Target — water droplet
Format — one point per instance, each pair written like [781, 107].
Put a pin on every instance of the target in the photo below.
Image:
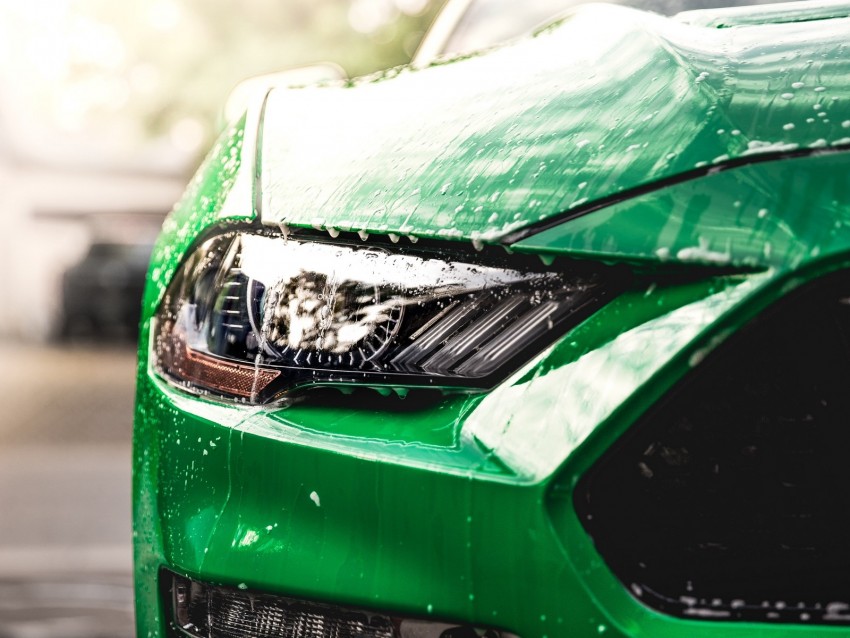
[315, 498]
[787, 96]
[797, 85]
[242, 586]
[788, 127]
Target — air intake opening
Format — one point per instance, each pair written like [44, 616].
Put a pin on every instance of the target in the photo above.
[202, 610]
[731, 499]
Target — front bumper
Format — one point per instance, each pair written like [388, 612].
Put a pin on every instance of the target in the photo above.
[237, 504]
[455, 511]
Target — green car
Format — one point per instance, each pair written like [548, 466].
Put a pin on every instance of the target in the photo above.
[546, 340]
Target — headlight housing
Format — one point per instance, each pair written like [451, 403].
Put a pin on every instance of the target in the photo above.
[257, 317]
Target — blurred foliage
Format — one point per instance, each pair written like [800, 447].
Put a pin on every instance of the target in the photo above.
[163, 68]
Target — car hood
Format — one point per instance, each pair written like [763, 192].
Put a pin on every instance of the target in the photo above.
[607, 101]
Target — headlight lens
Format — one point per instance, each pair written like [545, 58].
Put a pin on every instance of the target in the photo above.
[256, 317]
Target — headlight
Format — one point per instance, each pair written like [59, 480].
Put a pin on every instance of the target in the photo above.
[256, 317]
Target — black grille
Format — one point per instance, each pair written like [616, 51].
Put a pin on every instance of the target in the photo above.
[731, 500]
[235, 615]
[208, 611]
[225, 612]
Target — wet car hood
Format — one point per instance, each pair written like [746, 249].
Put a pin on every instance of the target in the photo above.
[609, 100]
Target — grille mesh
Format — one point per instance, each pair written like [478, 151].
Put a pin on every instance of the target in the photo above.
[208, 611]
[232, 615]
[224, 612]
[731, 500]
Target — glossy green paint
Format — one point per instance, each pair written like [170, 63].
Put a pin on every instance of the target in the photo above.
[461, 509]
[610, 100]
[750, 15]
[461, 528]
[776, 214]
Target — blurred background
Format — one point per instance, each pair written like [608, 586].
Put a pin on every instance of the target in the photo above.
[106, 109]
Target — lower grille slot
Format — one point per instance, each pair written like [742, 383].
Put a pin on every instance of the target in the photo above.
[208, 611]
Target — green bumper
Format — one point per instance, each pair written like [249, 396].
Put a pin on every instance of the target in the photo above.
[458, 511]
